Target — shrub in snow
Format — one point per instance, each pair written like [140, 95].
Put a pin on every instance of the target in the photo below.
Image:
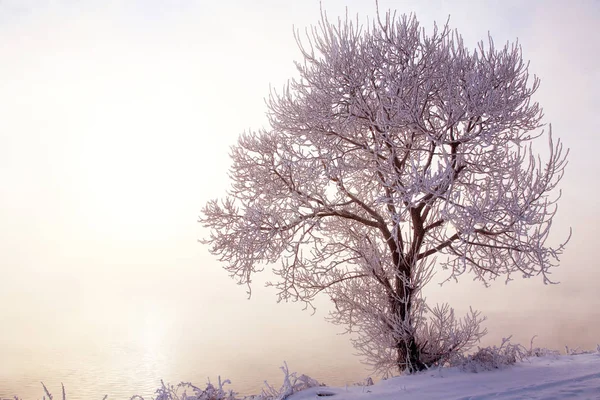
[292, 383]
[211, 392]
[577, 351]
[540, 351]
[366, 382]
[443, 336]
[491, 357]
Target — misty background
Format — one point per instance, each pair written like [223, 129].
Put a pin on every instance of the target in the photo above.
[115, 124]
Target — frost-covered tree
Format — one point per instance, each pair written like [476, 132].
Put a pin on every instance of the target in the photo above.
[395, 152]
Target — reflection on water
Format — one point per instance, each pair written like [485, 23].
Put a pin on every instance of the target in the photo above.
[121, 331]
[87, 373]
[122, 369]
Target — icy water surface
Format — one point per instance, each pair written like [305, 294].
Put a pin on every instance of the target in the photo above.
[94, 366]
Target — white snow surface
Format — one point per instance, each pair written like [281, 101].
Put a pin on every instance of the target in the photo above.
[549, 377]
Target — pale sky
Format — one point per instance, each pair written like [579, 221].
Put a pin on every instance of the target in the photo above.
[116, 120]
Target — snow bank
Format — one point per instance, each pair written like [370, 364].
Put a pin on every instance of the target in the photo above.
[549, 377]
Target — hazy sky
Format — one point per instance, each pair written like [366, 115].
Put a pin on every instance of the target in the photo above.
[116, 119]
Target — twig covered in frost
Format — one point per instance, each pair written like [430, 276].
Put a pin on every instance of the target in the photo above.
[577, 351]
[540, 351]
[46, 391]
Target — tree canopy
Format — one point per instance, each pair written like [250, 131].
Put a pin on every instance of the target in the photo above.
[395, 152]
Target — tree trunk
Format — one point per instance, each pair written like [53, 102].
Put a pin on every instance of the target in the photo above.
[408, 352]
[409, 356]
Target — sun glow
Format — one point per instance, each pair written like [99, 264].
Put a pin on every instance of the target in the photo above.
[152, 331]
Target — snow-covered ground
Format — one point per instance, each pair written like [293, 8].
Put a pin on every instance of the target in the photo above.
[549, 377]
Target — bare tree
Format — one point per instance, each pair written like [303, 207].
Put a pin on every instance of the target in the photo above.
[393, 152]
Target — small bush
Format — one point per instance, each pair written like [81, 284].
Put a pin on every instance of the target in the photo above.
[577, 351]
[365, 382]
[540, 351]
[292, 383]
[491, 357]
[170, 392]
